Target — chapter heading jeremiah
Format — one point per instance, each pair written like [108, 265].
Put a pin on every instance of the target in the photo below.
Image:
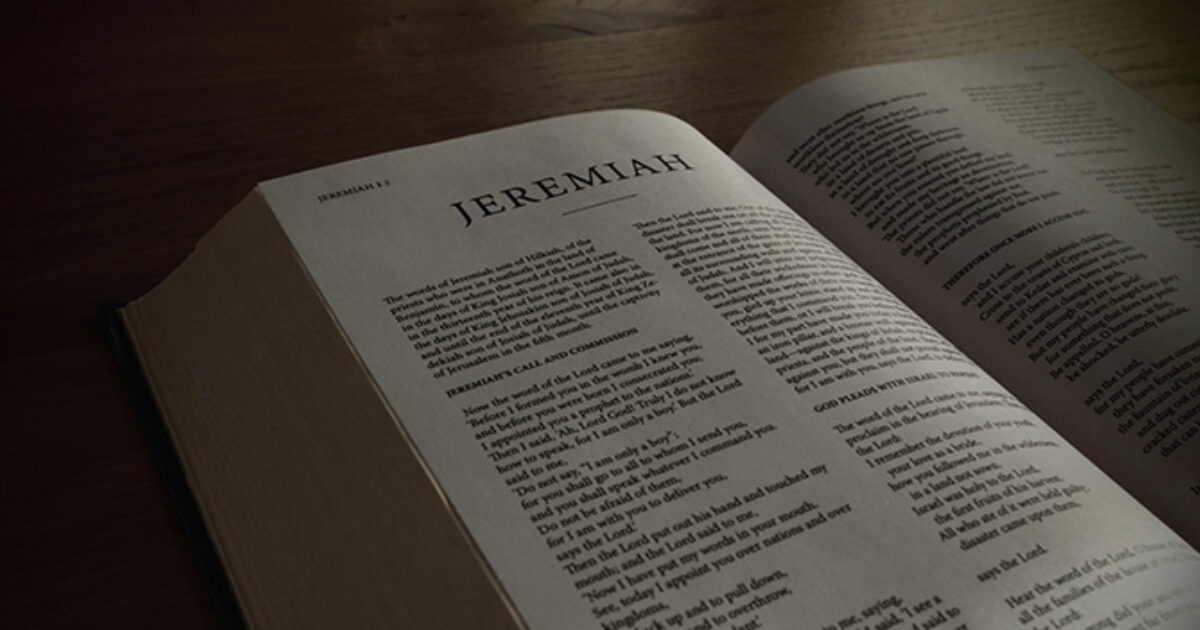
[550, 187]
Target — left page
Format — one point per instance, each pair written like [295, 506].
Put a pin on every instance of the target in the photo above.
[620, 357]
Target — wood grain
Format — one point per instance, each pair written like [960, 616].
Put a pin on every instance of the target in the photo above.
[130, 127]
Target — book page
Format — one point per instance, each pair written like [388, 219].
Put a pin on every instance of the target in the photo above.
[1042, 216]
[657, 398]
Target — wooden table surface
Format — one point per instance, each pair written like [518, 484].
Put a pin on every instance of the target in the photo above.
[129, 128]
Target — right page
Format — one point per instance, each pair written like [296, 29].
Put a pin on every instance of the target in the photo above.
[1043, 217]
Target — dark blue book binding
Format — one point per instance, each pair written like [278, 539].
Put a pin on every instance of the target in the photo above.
[151, 424]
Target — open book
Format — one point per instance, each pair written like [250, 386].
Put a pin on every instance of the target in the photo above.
[923, 353]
